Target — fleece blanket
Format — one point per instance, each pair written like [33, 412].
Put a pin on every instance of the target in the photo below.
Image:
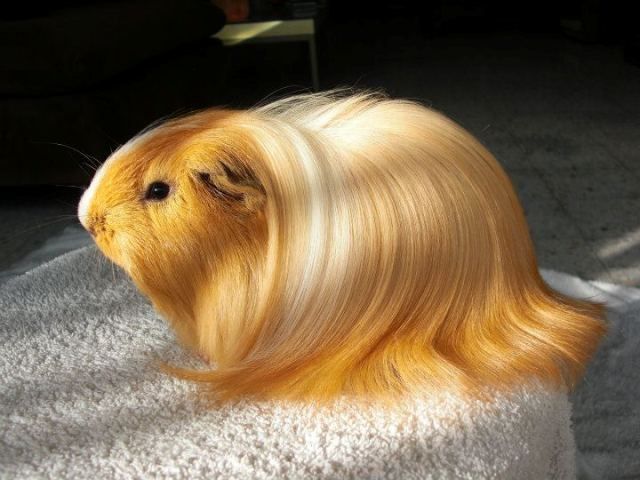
[81, 396]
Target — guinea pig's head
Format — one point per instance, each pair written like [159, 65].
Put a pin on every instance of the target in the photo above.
[173, 205]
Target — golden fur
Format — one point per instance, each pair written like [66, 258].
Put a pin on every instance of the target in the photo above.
[328, 244]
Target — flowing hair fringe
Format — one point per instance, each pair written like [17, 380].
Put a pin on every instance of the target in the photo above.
[399, 260]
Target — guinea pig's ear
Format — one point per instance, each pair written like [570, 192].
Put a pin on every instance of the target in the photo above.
[233, 184]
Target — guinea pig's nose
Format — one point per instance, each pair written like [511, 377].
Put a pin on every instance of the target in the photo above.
[91, 228]
[92, 223]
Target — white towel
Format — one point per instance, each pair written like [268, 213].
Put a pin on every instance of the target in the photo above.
[81, 397]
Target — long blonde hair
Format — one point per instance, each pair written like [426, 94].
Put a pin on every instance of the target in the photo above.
[396, 258]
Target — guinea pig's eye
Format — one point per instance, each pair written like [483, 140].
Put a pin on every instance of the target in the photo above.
[157, 191]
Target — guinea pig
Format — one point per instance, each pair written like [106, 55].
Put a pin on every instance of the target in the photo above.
[336, 244]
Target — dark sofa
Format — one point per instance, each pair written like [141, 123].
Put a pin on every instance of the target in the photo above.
[89, 75]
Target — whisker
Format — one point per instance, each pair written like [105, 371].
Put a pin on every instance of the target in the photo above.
[67, 204]
[71, 186]
[92, 162]
[82, 167]
[35, 227]
[93, 168]
[74, 149]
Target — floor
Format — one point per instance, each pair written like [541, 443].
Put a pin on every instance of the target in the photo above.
[562, 117]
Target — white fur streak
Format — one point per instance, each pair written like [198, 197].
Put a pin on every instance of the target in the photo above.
[87, 197]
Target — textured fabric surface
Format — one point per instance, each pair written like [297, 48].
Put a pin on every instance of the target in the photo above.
[81, 393]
